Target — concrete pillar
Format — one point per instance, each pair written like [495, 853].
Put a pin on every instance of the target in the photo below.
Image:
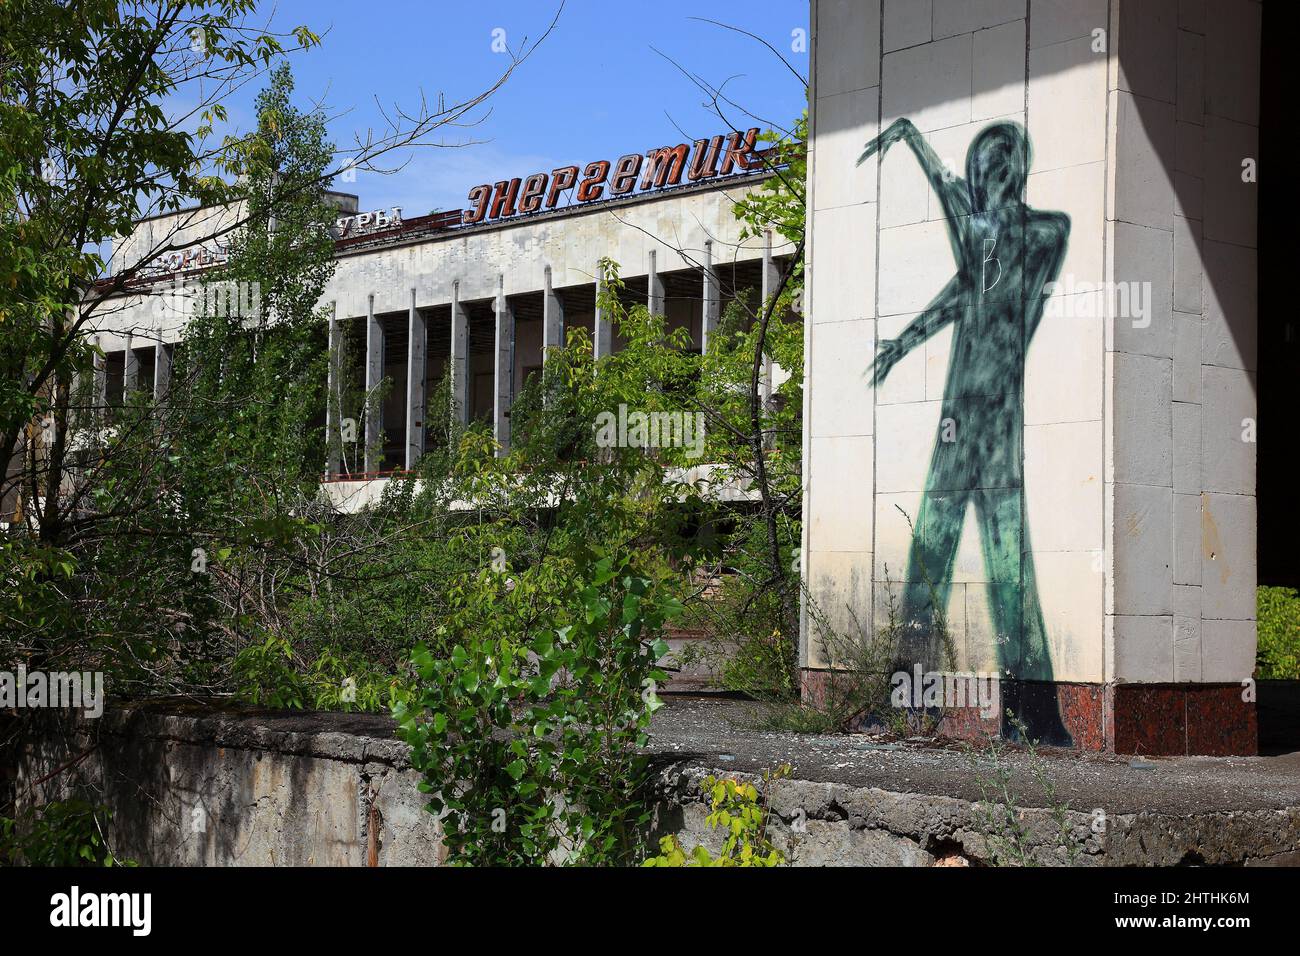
[770, 281]
[712, 300]
[334, 398]
[99, 397]
[162, 370]
[458, 363]
[374, 375]
[603, 330]
[503, 368]
[552, 319]
[77, 391]
[416, 368]
[771, 274]
[654, 286]
[1111, 500]
[130, 369]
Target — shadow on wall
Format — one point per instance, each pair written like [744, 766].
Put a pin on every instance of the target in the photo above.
[218, 784]
[1279, 356]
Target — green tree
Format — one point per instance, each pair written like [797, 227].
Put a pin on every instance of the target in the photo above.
[89, 145]
[246, 416]
[756, 437]
[86, 145]
[207, 489]
[111, 111]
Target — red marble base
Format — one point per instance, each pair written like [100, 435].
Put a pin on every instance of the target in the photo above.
[1166, 719]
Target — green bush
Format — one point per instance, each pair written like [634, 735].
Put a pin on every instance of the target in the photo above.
[529, 734]
[1278, 654]
[271, 674]
[735, 807]
[60, 833]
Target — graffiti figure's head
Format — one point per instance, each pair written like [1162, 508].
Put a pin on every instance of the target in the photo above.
[997, 165]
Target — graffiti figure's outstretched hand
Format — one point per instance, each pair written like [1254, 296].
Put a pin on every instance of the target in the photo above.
[942, 312]
[896, 131]
[890, 354]
[948, 186]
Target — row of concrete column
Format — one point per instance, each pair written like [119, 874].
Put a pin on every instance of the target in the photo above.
[503, 351]
[163, 353]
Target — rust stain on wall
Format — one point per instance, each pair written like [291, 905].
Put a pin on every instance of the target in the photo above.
[1211, 544]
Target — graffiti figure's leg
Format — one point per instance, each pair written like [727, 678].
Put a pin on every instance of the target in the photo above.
[930, 562]
[998, 514]
[1035, 655]
[1018, 628]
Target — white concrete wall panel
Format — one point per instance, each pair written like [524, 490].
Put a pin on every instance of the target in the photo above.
[1185, 103]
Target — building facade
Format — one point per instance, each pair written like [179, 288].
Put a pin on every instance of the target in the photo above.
[476, 295]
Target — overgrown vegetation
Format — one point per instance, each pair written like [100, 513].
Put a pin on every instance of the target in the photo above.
[88, 144]
[156, 541]
[185, 545]
[999, 815]
[737, 809]
[855, 692]
[59, 833]
[755, 602]
[536, 689]
[529, 732]
[1278, 654]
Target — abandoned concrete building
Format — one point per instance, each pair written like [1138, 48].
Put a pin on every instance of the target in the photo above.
[1106, 398]
[477, 295]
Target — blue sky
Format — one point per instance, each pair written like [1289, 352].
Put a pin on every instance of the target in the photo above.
[594, 89]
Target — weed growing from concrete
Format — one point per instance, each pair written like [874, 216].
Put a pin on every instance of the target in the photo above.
[856, 687]
[998, 813]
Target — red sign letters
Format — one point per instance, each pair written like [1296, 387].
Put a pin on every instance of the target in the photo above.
[665, 166]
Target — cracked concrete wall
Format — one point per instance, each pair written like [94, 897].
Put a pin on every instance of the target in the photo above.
[826, 824]
[223, 792]
[189, 786]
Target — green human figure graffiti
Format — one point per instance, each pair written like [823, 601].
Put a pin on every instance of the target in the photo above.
[1006, 253]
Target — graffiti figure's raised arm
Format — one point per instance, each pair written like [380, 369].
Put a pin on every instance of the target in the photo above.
[950, 188]
[944, 310]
